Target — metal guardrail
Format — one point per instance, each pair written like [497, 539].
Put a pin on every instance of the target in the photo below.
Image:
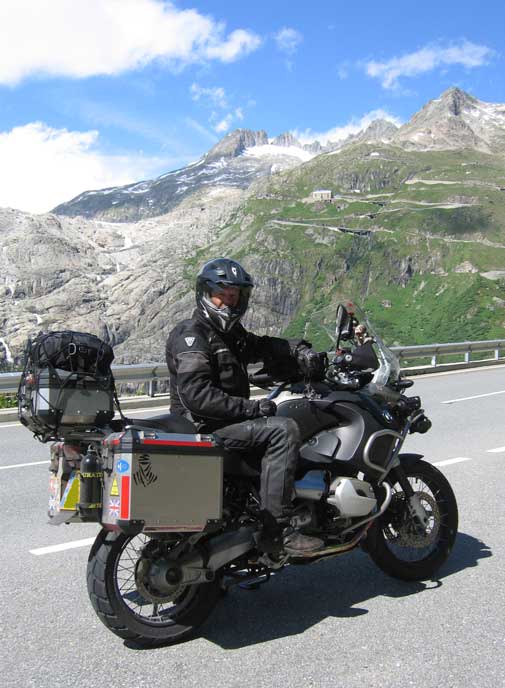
[150, 374]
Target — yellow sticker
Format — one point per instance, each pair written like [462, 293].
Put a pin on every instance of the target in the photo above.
[71, 495]
[114, 490]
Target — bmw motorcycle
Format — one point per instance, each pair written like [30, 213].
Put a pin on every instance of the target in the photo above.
[354, 488]
[161, 562]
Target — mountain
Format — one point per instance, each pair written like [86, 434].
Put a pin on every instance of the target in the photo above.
[121, 281]
[240, 158]
[235, 162]
[453, 121]
[415, 231]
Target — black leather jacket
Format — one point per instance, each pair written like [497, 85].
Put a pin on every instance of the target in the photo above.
[208, 370]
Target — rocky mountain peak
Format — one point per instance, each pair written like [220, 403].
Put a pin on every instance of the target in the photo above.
[455, 100]
[455, 120]
[314, 147]
[234, 143]
[286, 139]
[380, 130]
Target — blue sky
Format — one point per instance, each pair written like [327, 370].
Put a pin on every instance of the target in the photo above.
[101, 92]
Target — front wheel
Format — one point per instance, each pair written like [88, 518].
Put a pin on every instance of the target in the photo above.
[399, 543]
[125, 591]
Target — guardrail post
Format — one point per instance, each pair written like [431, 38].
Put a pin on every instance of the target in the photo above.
[434, 360]
[496, 354]
[468, 356]
[151, 388]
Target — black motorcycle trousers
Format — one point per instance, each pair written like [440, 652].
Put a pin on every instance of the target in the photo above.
[275, 439]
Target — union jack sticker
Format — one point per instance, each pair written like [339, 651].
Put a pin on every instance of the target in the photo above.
[114, 507]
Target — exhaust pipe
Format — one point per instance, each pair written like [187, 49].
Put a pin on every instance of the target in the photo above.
[345, 547]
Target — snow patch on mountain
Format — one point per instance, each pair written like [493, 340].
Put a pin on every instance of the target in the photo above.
[269, 150]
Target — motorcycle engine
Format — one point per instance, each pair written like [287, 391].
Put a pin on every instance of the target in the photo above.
[349, 496]
[352, 497]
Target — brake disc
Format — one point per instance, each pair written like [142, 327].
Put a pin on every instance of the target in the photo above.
[405, 532]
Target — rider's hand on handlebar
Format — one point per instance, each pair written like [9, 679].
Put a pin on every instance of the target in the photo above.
[265, 407]
[311, 363]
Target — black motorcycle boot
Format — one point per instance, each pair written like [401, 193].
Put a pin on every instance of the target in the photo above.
[269, 538]
[278, 536]
[295, 542]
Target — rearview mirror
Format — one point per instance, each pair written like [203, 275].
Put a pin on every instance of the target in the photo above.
[344, 324]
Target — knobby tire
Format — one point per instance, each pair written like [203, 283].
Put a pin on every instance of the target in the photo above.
[425, 567]
[119, 618]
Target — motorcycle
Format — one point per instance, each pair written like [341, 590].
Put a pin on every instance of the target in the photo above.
[181, 520]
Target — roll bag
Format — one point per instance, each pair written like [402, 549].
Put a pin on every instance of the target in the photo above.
[67, 383]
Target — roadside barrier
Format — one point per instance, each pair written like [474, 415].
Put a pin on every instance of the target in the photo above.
[149, 375]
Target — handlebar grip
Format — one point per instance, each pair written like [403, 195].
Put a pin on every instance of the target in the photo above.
[261, 379]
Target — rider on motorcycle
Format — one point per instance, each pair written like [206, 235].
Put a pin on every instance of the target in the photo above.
[207, 357]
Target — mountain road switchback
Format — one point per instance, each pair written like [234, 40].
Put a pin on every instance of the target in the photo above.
[341, 622]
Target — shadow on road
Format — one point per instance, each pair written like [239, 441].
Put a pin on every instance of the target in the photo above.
[300, 597]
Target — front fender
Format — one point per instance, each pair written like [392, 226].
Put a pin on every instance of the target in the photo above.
[409, 460]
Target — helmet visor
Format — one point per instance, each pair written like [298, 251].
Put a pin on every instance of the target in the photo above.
[228, 296]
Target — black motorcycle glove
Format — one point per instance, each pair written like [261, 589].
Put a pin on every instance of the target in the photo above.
[311, 363]
[265, 407]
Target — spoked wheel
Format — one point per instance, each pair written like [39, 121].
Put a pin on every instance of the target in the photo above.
[414, 537]
[135, 595]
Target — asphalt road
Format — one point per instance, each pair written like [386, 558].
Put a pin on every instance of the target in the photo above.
[341, 623]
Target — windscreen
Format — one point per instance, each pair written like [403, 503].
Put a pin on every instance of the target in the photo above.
[320, 331]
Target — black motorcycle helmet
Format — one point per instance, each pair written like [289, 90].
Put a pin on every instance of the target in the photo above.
[214, 275]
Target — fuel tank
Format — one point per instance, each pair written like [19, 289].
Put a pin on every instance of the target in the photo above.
[339, 430]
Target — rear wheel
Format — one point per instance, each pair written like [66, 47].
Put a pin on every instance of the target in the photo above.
[399, 543]
[121, 576]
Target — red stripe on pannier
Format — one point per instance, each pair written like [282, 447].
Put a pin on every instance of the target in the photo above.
[173, 443]
[125, 496]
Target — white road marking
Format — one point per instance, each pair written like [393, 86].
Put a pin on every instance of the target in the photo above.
[65, 545]
[498, 450]
[10, 425]
[20, 465]
[477, 396]
[449, 462]
[146, 410]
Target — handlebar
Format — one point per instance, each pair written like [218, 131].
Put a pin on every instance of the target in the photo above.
[261, 379]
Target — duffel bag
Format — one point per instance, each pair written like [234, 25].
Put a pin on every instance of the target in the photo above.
[67, 384]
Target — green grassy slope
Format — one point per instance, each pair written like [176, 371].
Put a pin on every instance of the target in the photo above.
[436, 229]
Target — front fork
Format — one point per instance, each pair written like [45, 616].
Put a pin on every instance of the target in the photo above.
[416, 509]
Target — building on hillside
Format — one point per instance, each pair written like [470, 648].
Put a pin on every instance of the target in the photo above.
[322, 195]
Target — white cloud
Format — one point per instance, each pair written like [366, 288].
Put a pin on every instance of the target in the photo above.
[104, 37]
[215, 95]
[42, 167]
[426, 59]
[226, 122]
[223, 125]
[288, 40]
[340, 133]
[239, 42]
[343, 70]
